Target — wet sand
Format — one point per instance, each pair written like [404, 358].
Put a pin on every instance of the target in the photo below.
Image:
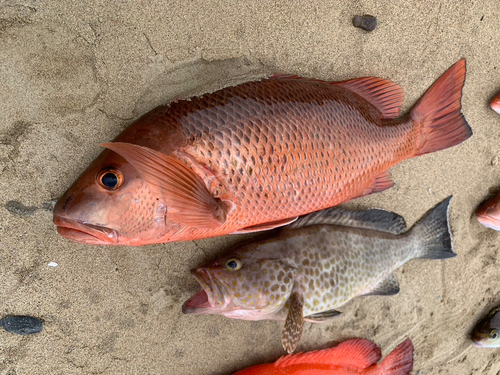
[74, 75]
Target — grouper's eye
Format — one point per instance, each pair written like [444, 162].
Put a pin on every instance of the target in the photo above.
[233, 264]
[494, 334]
[110, 178]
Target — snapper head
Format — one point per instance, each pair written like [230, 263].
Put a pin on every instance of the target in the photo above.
[245, 284]
[110, 204]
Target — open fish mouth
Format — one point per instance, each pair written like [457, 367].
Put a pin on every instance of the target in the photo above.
[209, 299]
[82, 232]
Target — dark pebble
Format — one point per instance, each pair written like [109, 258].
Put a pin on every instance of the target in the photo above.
[22, 325]
[365, 22]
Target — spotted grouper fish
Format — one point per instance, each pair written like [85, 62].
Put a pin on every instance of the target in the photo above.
[316, 265]
[255, 157]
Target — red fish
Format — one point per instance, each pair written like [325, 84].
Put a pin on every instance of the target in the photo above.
[495, 103]
[255, 157]
[350, 357]
[488, 213]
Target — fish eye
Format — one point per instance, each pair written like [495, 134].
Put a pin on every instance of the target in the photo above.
[494, 334]
[110, 178]
[233, 264]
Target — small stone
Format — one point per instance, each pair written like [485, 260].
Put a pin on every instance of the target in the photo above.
[22, 325]
[494, 161]
[365, 22]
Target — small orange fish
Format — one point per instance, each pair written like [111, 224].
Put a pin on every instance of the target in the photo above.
[255, 157]
[488, 213]
[495, 103]
[351, 357]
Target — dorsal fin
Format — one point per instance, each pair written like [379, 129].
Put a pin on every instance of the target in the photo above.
[387, 96]
[374, 219]
[359, 353]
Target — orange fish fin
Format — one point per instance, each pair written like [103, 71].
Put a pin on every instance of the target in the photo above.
[387, 96]
[438, 113]
[380, 183]
[187, 198]
[399, 361]
[359, 353]
[292, 330]
[266, 226]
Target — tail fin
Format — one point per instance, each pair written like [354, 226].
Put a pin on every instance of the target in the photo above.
[433, 233]
[399, 361]
[443, 125]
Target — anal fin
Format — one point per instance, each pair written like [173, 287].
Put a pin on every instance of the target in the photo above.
[380, 183]
[292, 331]
[323, 316]
[387, 287]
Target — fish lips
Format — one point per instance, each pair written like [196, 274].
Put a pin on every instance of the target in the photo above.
[82, 232]
[210, 299]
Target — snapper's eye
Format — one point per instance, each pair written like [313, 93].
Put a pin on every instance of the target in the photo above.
[110, 178]
[233, 264]
[494, 334]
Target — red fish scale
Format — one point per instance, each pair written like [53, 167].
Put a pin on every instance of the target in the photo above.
[276, 145]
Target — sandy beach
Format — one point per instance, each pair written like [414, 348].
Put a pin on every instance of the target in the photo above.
[75, 74]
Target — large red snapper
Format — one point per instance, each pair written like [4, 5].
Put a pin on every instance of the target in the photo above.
[254, 157]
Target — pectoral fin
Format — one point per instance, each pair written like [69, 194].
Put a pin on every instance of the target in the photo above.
[322, 316]
[292, 331]
[183, 192]
[387, 287]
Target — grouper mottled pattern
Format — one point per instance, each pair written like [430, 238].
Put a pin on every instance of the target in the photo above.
[307, 272]
[333, 264]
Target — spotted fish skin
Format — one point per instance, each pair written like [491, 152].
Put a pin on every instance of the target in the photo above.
[326, 265]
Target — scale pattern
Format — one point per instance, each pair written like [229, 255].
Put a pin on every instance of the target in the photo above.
[282, 148]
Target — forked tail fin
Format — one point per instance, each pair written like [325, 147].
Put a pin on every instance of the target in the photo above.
[438, 111]
[399, 361]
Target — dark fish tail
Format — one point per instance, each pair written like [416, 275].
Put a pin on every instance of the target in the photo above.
[433, 232]
[438, 115]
